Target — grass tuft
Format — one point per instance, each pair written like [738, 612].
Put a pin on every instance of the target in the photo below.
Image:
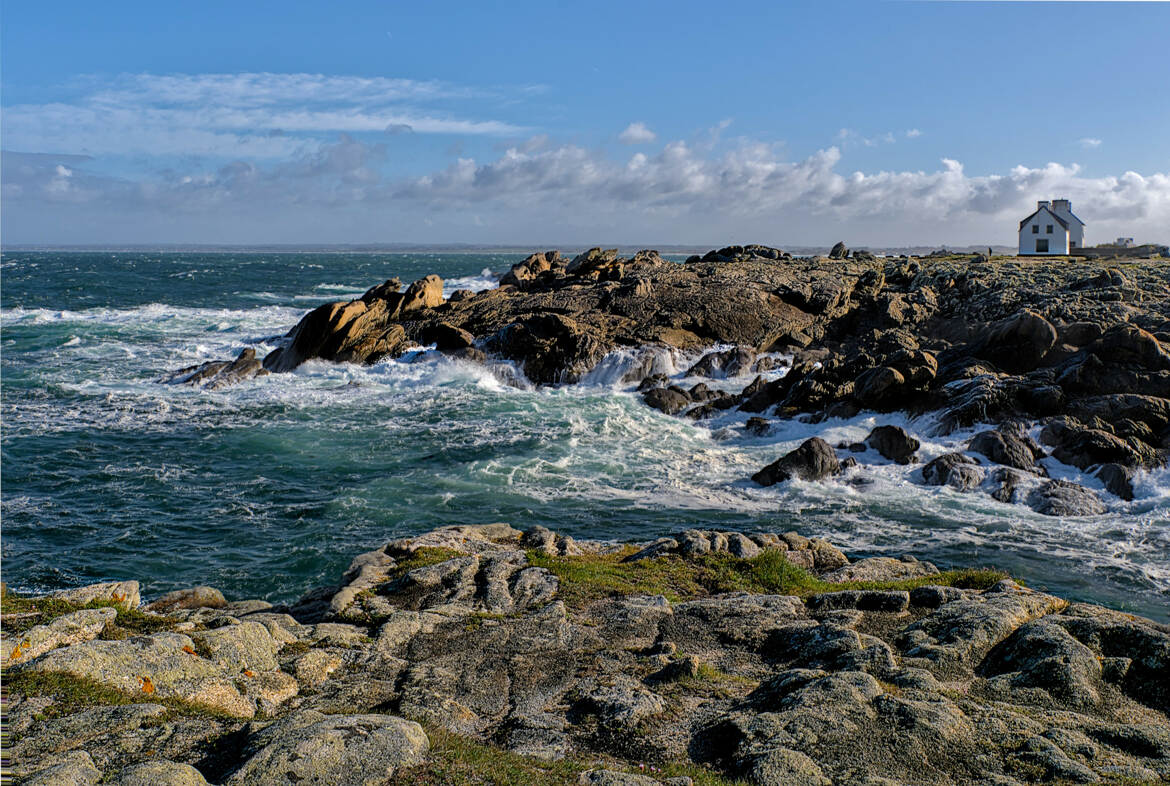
[591, 577]
[455, 760]
[71, 694]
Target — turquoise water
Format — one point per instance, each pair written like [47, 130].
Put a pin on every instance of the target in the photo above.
[271, 487]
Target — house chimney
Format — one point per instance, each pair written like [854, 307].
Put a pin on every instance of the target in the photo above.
[1062, 205]
[1042, 204]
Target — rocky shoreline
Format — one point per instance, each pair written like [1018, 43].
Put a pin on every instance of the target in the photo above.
[481, 654]
[1068, 358]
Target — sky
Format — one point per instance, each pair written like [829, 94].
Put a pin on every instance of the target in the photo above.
[881, 123]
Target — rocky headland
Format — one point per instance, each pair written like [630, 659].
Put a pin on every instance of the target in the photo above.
[1061, 357]
[482, 654]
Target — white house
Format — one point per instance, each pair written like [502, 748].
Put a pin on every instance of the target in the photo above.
[1052, 229]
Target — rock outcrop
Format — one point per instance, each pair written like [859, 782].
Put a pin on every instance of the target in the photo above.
[773, 660]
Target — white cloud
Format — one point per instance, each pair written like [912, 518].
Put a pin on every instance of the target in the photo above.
[1089, 143]
[913, 133]
[255, 115]
[681, 192]
[637, 134]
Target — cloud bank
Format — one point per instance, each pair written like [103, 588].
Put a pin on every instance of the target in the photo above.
[681, 193]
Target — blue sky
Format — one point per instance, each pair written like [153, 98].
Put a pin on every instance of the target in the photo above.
[532, 123]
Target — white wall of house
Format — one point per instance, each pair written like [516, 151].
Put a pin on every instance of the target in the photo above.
[1044, 227]
[1076, 230]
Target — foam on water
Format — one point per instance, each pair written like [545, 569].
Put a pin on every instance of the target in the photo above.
[271, 486]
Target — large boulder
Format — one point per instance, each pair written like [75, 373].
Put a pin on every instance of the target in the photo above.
[340, 750]
[164, 665]
[192, 598]
[1063, 498]
[954, 470]
[813, 460]
[1019, 343]
[1006, 447]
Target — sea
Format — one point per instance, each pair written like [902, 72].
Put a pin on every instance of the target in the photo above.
[270, 487]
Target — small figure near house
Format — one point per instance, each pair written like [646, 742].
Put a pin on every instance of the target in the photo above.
[1052, 230]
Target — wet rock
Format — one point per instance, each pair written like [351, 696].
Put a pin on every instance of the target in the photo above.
[220, 373]
[1118, 480]
[813, 460]
[308, 747]
[1006, 447]
[1064, 498]
[446, 337]
[757, 427]
[728, 363]
[1005, 482]
[192, 598]
[954, 470]
[670, 400]
[893, 443]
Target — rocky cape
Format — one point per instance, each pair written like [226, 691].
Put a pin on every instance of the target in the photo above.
[481, 654]
[1064, 357]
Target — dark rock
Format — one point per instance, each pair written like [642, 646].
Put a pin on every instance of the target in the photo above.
[893, 443]
[446, 337]
[1117, 479]
[757, 426]
[1006, 447]
[839, 251]
[1019, 343]
[954, 470]
[727, 363]
[1063, 498]
[671, 400]
[813, 460]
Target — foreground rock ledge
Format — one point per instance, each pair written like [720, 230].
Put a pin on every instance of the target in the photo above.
[707, 655]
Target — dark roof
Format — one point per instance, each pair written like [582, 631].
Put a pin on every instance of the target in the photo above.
[1060, 220]
[1074, 215]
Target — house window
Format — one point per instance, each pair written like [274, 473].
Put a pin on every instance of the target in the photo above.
[1042, 246]
[1035, 229]
[1072, 244]
[1049, 230]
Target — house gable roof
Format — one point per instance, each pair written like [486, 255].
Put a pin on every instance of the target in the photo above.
[1059, 220]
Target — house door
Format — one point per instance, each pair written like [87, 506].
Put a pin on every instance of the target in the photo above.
[1042, 245]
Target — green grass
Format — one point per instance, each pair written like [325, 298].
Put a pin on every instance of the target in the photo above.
[592, 577]
[455, 760]
[72, 694]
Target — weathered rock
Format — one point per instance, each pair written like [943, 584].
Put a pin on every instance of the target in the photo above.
[893, 443]
[163, 665]
[74, 768]
[160, 773]
[193, 598]
[881, 569]
[838, 251]
[728, 363]
[954, 470]
[67, 629]
[244, 647]
[813, 460]
[308, 747]
[120, 593]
